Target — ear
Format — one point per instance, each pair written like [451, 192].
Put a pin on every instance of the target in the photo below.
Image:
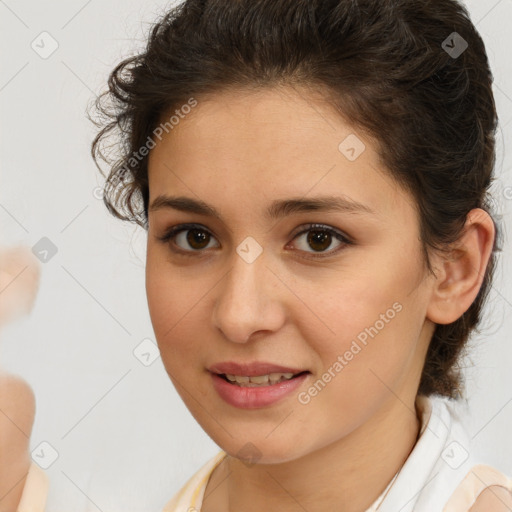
[461, 273]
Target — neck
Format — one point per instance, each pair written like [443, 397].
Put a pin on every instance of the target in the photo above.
[349, 474]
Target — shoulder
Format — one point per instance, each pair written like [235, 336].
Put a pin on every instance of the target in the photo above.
[35, 491]
[483, 489]
[17, 404]
[494, 498]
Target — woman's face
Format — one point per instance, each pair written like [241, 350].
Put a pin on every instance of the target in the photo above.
[345, 301]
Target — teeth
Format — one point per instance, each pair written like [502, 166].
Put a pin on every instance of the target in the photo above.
[259, 380]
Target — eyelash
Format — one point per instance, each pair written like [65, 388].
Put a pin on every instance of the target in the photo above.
[172, 232]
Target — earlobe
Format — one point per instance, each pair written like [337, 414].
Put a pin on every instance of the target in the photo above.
[460, 273]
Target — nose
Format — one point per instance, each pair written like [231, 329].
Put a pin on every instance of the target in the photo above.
[248, 300]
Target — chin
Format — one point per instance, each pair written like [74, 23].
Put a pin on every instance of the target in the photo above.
[260, 450]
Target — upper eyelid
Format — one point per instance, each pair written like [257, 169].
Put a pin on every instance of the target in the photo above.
[297, 231]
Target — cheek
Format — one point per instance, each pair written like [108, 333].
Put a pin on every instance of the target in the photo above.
[159, 296]
[365, 362]
[175, 305]
[166, 291]
[374, 322]
[166, 303]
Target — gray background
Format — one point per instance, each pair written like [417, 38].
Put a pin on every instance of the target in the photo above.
[124, 439]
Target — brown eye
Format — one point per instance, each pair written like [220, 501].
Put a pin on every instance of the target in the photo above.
[197, 238]
[319, 238]
[188, 238]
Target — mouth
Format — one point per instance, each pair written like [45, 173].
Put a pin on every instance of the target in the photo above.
[256, 391]
[270, 379]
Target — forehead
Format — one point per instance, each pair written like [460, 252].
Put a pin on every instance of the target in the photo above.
[270, 144]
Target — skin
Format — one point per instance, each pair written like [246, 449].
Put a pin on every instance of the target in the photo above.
[19, 281]
[238, 152]
[17, 414]
[494, 498]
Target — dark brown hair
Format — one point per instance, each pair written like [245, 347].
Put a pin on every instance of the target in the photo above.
[393, 68]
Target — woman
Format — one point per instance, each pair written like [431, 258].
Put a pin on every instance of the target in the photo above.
[313, 177]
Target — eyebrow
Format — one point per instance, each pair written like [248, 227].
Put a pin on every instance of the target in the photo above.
[277, 209]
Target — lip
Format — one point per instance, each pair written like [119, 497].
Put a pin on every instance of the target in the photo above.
[251, 369]
[255, 397]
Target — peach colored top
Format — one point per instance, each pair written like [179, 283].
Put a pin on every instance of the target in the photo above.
[442, 473]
